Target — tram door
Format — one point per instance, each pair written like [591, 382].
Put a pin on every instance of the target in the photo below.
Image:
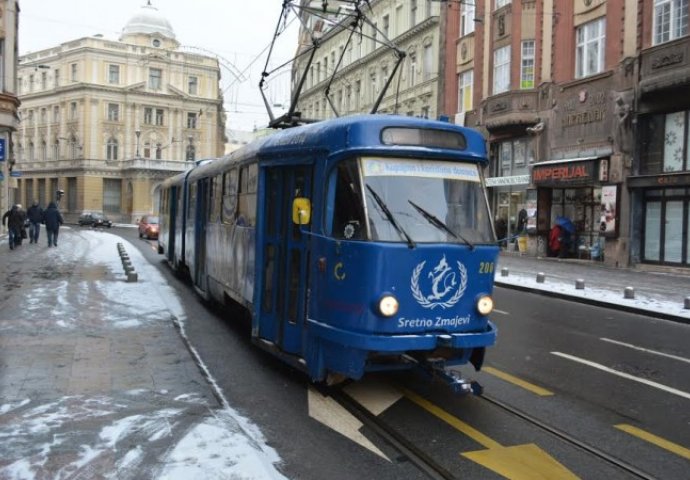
[286, 256]
[200, 235]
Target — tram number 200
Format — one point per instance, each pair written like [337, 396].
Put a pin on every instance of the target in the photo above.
[486, 267]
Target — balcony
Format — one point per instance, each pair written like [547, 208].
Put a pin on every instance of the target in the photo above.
[665, 66]
[512, 108]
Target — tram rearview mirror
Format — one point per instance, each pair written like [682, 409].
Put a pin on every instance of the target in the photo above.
[301, 211]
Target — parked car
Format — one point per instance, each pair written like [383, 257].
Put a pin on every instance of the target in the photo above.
[148, 227]
[94, 219]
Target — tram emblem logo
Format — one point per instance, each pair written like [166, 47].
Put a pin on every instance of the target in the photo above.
[445, 284]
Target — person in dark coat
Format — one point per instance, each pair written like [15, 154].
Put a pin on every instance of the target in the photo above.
[14, 218]
[53, 219]
[35, 215]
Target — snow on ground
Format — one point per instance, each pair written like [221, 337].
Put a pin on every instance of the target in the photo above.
[194, 441]
[595, 293]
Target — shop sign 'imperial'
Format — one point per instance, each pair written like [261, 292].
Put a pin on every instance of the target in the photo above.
[563, 173]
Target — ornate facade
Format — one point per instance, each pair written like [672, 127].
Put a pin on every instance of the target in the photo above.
[9, 103]
[367, 62]
[107, 121]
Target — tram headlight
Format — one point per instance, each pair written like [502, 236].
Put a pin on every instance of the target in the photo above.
[485, 305]
[388, 305]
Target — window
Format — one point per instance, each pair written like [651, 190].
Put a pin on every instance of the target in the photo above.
[374, 87]
[111, 149]
[589, 53]
[44, 116]
[191, 153]
[73, 147]
[159, 116]
[56, 149]
[57, 78]
[44, 80]
[73, 72]
[425, 112]
[114, 74]
[148, 115]
[374, 36]
[113, 112]
[665, 143]
[428, 62]
[229, 196]
[501, 3]
[159, 151]
[31, 83]
[467, 13]
[413, 13]
[155, 78]
[502, 69]
[191, 119]
[2, 68]
[246, 202]
[32, 151]
[43, 150]
[386, 26]
[73, 110]
[670, 20]
[527, 66]
[192, 85]
[56, 114]
[465, 80]
[413, 71]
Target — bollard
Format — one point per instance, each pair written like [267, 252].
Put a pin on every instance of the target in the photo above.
[687, 303]
[579, 284]
[504, 272]
[124, 258]
[132, 276]
[127, 265]
[629, 293]
[541, 277]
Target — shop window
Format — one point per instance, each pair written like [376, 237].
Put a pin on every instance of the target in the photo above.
[664, 143]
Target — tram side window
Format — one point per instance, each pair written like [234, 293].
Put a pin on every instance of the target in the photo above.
[215, 198]
[229, 197]
[348, 210]
[246, 202]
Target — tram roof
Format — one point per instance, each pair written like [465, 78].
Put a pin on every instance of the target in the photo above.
[352, 133]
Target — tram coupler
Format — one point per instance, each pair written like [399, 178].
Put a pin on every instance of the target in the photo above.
[436, 369]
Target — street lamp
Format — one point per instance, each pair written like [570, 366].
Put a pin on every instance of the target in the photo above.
[137, 132]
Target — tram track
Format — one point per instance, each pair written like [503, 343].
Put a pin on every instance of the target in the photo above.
[435, 470]
[414, 455]
[569, 439]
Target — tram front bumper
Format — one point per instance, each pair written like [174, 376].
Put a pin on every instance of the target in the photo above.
[402, 342]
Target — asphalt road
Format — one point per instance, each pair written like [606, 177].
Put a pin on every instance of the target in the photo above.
[563, 348]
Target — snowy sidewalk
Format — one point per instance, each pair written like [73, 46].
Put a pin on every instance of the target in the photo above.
[96, 380]
[656, 294]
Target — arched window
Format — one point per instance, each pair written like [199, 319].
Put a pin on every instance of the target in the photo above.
[159, 151]
[32, 151]
[111, 149]
[44, 150]
[56, 149]
[73, 147]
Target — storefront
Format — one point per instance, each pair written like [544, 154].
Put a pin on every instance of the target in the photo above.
[577, 189]
[662, 190]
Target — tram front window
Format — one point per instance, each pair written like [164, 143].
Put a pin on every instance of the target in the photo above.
[413, 201]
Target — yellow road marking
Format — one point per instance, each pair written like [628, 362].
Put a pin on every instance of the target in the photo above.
[454, 422]
[519, 462]
[516, 381]
[658, 441]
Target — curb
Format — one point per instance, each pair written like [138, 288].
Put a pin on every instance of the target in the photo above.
[596, 303]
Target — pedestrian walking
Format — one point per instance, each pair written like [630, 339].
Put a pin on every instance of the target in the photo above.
[35, 216]
[52, 219]
[14, 218]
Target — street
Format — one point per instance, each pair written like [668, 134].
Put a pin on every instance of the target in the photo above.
[570, 390]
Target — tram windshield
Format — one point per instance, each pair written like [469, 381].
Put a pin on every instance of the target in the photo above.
[411, 201]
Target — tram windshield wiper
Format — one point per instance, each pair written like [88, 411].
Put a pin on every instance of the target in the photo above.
[389, 215]
[436, 222]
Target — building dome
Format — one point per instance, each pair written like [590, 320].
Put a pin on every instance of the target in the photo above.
[148, 21]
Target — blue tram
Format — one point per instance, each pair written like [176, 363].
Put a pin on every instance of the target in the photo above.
[357, 244]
